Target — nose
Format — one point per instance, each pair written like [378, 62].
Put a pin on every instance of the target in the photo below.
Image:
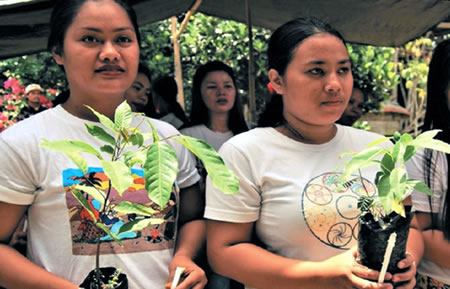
[109, 53]
[333, 84]
[220, 90]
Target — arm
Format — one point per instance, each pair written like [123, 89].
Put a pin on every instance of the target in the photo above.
[414, 251]
[437, 248]
[231, 254]
[14, 266]
[191, 238]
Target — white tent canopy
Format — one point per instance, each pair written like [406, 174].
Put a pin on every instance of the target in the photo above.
[24, 28]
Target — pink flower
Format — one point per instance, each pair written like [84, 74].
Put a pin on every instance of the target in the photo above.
[9, 96]
[3, 117]
[52, 91]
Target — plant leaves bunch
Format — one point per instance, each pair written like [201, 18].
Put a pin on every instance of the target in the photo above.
[158, 161]
[391, 180]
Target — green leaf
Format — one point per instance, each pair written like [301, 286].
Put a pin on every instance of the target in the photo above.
[72, 149]
[387, 164]
[123, 115]
[410, 151]
[104, 120]
[109, 232]
[100, 133]
[119, 174]
[419, 186]
[154, 132]
[94, 192]
[362, 159]
[127, 207]
[160, 172]
[133, 157]
[138, 225]
[222, 178]
[107, 149]
[397, 181]
[137, 139]
[82, 200]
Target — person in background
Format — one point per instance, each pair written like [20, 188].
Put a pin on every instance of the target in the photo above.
[165, 104]
[433, 213]
[216, 113]
[287, 170]
[355, 106]
[139, 93]
[97, 42]
[216, 116]
[33, 94]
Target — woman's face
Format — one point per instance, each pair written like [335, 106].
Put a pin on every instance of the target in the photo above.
[100, 52]
[218, 92]
[137, 95]
[317, 84]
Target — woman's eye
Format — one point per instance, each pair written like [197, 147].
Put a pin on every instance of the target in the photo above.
[344, 70]
[124, 39]
[90, 39]
[211, 87]
[317, 71]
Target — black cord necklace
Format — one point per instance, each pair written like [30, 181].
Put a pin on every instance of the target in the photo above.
[292, 130]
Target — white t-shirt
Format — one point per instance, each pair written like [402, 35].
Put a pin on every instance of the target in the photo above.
[289, 189]
[213, 138]
[41, 178]
[421, 203]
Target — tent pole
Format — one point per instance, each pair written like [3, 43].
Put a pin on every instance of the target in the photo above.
[177, 62]
[176, 50]
[251, 68]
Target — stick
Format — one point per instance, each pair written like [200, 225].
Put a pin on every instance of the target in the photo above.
[176, 277]
[387, 257]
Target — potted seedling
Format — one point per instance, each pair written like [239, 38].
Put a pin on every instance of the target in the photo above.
[384, 220]
[97, 192]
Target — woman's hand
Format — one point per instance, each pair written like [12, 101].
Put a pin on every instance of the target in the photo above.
[409, 276]
[345, 272]
[193, 276]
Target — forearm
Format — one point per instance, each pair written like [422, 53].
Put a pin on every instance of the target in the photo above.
[259, 268]
[415, 245]
[437, 249]
[191, 238]
[17, 272]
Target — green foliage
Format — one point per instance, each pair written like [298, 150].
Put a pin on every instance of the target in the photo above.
[160, 163]
[391, 179]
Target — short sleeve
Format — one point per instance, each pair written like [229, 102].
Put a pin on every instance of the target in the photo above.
[245, 205]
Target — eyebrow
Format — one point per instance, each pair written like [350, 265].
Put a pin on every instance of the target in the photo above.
[100, 31]
[319, 62]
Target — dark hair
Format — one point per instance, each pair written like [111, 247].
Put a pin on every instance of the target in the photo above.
[437, 117]
[142, 68]
[65, 11]
[282, 46]
[167, 88]
[200, 112]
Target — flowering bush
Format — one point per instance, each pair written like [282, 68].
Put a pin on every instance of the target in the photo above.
[12, 100]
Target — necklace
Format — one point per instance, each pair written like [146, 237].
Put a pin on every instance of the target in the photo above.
[292, 130]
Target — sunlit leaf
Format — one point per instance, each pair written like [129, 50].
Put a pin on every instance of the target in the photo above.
[104, 120]
[119, 174]
[94, 192]
[123, 115]
[126, 207]
[138, 225]
[222, 177]
[100, 133]
[160, 172]
[82, 200]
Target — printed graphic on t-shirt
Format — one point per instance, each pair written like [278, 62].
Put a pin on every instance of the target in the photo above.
[331, 210]
[85, 234]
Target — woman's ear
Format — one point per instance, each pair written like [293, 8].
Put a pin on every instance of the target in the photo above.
[276, 81]
[57, 56]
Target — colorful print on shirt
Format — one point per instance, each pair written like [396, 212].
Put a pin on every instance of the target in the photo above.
[331, 211]
[84, 233]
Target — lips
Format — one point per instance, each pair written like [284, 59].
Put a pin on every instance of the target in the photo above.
[109, 68]
[222, 101]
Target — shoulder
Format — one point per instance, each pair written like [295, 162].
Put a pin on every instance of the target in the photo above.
[193, 130]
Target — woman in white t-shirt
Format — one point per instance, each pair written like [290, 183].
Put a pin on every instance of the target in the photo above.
[287, 173]
[433, 214]
[97, 43]
[216, 116]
